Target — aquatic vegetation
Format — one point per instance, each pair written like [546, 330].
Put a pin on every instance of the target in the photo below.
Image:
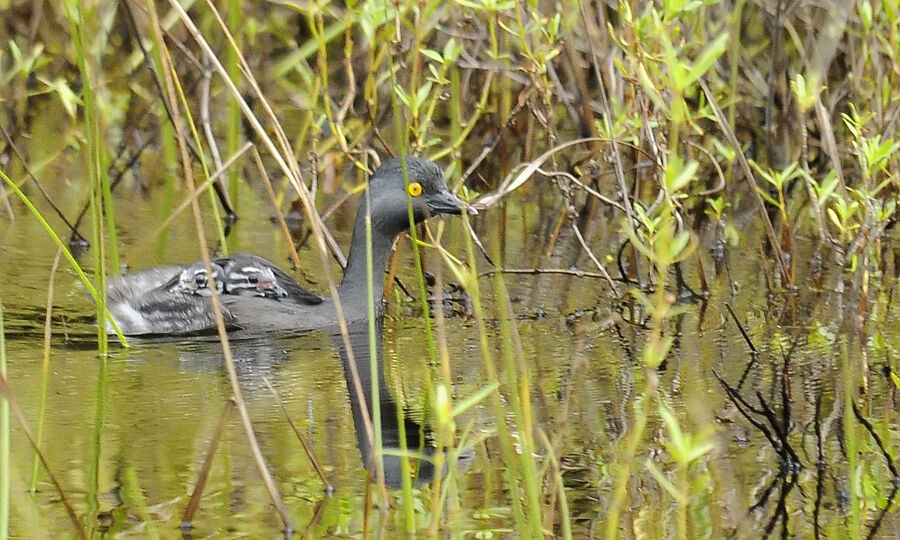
[672, 318]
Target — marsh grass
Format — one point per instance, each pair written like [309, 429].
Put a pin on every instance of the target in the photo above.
[648, 119]
[45, 372]
[9, 405]
[102, 221]
[4, 440]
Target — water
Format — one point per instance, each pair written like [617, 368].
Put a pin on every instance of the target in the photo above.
[126, 435]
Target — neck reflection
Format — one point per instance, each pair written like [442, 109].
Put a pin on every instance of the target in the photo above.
[421, 471]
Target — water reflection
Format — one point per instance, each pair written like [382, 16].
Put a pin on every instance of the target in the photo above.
[258, 359]
[421, 470]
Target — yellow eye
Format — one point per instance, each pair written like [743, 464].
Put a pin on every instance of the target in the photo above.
[414, 189]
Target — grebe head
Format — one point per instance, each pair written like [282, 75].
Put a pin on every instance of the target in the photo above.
[244, 276]
[194, 279]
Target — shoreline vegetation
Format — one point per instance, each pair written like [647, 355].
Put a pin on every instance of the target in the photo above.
[675, 154]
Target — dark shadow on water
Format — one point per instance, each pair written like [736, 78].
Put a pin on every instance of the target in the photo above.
[417, 436]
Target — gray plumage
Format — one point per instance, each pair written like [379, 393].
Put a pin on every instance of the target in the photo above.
[153, 301]
[252, 305]
[287, 289]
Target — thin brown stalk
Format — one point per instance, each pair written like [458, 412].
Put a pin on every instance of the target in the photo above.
[188, 518]
[751, 179]
[317, 517]
[306, 448]
[17, 412]
[554, 236]
[289, 168]
[45, 363]
[295, 259]
[170, 82]
[181, 207]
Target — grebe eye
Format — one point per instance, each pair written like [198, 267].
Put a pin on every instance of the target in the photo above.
[414, 189]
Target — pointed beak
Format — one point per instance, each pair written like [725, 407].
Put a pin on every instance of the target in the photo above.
[444, 202]
[271, 289]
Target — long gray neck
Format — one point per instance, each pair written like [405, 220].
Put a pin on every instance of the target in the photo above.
[353, 289]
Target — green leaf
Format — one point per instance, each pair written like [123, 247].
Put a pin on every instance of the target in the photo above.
[16, 53]
[683, 177]
[727, 152]
[679, 245]
[421, 95]
[865, 15]
[553, 53]
[805, 91]
[834, 218]
[402, 96]
[434, 55]
[707, 58]
[637, 242]
[435, 76]
[474, 399]
[671, 425]
[69, 99]
[826, 188]
[665, 483]
[768, 198]
[650, 88]
[471, 5]
[452, 49]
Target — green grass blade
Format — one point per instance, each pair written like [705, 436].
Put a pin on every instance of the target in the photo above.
[65, 251]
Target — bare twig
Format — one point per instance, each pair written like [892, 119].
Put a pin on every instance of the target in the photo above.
[191, 198]
[597, 263]
[295, 259]
[17, 412]
[289, 168]
[538, 271]
[511, 183]
[748, 174]
[746, 336]
[217, 310]
[211, 138]
[306, 448]
[188, 518]
[40, 187]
